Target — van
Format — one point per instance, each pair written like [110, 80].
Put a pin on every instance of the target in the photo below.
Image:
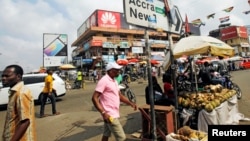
[35, 82]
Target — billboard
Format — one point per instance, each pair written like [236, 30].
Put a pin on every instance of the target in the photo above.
[108, 19]
[242, 31]
[91, 21]
[229, 33]
[55, 49]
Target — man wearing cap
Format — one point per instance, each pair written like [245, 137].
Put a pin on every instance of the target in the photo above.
[106, 99]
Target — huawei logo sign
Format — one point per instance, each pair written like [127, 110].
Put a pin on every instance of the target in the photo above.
[108, 18]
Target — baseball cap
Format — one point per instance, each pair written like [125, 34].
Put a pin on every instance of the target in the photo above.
[112, 65]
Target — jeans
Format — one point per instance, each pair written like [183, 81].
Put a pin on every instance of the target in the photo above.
[43, 99]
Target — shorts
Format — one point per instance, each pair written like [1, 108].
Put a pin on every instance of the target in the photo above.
[116, 128]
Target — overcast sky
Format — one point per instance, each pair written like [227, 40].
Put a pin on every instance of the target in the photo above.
[23, 22]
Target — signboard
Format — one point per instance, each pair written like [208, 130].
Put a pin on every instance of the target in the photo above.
[108, 45]
[151, 14]
[228, 33]
[55, 49]
[137, 50]
[124, 45]
[242, 30]
[108, 19]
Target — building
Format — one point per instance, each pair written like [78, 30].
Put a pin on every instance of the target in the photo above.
[235, 36]
[106, 36]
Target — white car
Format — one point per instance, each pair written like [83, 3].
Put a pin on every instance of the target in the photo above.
[36, 83]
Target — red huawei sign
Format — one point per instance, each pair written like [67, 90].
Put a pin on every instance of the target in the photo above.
[109, 19]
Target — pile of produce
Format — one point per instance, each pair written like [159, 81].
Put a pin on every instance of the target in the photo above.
[185, 133]
[209, 99]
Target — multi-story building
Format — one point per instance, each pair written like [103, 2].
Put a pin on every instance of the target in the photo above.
[235, 36]
[106, 36]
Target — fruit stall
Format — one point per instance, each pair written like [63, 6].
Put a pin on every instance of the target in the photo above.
[214, 105]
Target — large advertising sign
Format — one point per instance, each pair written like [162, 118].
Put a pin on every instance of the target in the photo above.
[108, 19]
[55, 49]
[152, 14]
[228, 33]
[242, 32]
[91, 21]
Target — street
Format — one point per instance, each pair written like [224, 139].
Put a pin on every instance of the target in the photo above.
[79, 121]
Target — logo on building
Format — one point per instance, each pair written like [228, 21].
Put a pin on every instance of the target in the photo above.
[108, 18]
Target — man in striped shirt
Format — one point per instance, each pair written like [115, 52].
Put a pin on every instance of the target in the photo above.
[20, 118]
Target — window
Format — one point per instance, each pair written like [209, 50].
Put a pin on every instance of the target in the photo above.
[31, 80]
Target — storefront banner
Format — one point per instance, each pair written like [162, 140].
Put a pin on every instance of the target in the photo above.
[137, 50]
[244, 44]
[87, 61]
[86, 46]
[108, 58]
[108, 45]
[96, 43]
[124, 45]
[138, 43]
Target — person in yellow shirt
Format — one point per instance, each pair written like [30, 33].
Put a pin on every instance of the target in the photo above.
[79, 79]
[48, 92]
[20, 116]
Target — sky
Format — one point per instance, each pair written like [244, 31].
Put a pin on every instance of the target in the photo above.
[23, 23]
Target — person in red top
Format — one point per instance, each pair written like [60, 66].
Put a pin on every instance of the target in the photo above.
[168, 88]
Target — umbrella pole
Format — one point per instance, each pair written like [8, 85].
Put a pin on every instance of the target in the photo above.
[173, 65]
[173, 75]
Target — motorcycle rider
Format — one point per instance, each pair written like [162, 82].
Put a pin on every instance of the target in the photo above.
[222, 65]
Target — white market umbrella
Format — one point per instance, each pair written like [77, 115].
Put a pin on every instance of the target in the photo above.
[66, 67]
[194, 45]
[235, 58]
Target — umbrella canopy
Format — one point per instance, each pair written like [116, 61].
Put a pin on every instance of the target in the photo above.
[122, 62]
[154, 62]
[134, 60]
[67, 67]
[235, 58]
[194, 45]
[143, 62]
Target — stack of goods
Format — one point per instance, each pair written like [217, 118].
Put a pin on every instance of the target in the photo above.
[209, 99]
[185, 133]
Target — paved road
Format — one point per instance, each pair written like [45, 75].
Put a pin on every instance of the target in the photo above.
[79, 121]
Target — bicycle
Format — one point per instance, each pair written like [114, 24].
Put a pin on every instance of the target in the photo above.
[125, 90]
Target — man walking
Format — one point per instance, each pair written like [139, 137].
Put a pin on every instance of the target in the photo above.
[20, 118]
[48, 92]
[106, 99]
[79, 79]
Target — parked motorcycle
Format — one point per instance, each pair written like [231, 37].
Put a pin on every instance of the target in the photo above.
[231, 85]
[183, 83]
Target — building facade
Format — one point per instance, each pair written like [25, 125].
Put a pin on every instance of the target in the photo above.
[235, 36]
[105, 36]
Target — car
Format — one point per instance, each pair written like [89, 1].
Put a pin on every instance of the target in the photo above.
[245, 65]
[35, 82]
